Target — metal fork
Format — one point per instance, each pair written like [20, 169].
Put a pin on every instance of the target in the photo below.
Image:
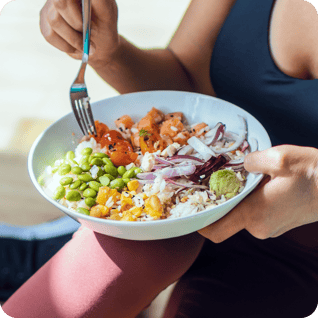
[78, 93]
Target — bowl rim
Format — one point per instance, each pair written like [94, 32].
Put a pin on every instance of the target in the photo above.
[75, 215]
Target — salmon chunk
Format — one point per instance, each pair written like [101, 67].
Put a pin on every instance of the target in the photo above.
[171, 127]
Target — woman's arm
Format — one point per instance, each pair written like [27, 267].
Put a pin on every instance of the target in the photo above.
[183, 65]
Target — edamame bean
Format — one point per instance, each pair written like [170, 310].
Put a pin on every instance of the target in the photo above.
[75, 184]
[94, 185]
[129, 174]
[100, 172]
[90, 201]
[73, 195]
[85, 167]
[85, 177]
[99, 155]
[71, 162]
[84, 160]
[107, 161]
[138, 170]
[83, 186]
[96, 162]
[111, 170]
[126, 180]
[55, 169]
[109, 176]
[64, 169]
[121, 170]
[117, 184]
[66, 180]
[82, 211]
[76, 170]
[59, 193]
[104, 180]
[87, 151]
[89, 193]
[70, 155]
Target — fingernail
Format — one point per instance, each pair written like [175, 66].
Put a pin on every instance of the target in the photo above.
[91, 50]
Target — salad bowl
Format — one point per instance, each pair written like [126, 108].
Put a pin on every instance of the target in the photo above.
[65, 134]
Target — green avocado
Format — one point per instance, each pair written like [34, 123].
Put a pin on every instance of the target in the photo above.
[224, 182]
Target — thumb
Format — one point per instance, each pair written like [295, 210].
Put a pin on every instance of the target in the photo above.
[266, 161]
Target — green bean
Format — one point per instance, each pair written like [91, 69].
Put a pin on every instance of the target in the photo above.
[85, 177]
[70, 155]
[107, 161]
[104, 180]
[66, 180]
[126, 180]
[85, 167]
[76, 170]
[75, 184]
[64, 169]
[82, 211]
[111, 170]
[94, 185]
[96, 162]
[90, 201]
[83, 186]
[73, 195]
[87, 151]
[117, 184]
[59, 193]
[99, 155]
[121, 170]
[89, 193]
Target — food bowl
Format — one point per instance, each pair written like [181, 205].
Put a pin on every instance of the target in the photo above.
[64, 135]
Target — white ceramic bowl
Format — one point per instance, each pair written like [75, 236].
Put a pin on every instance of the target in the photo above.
[64, 135]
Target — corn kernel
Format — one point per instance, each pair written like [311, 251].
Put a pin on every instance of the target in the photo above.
[133, 185]
[99, 211]
[153, 207]
[128, 217]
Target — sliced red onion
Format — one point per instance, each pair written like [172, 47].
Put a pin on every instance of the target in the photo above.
[168, 172]
[164, 161]
[201, 148]
[214, 134]
[185, 150]
[236, 165]
[144, 181]
[253, 144]
[182, 158]
[187, 185]
[178, 171]
[160, 166]
[241, 137]
[244, 145]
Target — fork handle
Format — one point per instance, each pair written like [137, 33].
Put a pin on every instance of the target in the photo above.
[86, 7]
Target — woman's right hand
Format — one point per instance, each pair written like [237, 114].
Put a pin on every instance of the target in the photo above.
[61, 25]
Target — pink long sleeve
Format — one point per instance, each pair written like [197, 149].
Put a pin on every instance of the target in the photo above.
[100, 276]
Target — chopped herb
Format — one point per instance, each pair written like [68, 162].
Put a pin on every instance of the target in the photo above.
[143, 133]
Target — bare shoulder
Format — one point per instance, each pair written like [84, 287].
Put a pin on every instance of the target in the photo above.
[294, 38]
[195, 37]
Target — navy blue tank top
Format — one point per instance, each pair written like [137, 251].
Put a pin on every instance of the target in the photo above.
[243, 72]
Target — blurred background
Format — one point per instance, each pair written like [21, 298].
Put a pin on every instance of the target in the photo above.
[35, 79]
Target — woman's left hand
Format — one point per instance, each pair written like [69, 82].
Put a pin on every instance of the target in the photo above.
[286, 198]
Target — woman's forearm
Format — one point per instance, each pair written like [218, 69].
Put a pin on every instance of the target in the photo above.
[133, 69]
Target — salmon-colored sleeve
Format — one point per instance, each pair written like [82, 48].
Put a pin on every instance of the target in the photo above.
[95, 275]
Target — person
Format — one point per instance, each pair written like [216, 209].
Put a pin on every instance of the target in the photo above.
[261, 259]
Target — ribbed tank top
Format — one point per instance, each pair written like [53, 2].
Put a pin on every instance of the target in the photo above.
[244, 73]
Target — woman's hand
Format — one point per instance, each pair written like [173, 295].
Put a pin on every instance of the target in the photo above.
[285, 199]
[61, 25]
